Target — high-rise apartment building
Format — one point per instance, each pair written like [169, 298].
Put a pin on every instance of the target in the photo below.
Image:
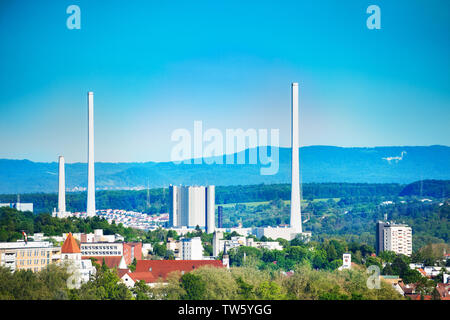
[394, 237]
[192, 206]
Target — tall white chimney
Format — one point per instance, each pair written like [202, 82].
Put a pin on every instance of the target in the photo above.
[296, 218]
[90, 211]
[62, 186]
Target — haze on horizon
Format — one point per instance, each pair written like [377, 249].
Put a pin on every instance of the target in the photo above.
[156, 67]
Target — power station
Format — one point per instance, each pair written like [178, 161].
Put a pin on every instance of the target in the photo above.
[192, 206]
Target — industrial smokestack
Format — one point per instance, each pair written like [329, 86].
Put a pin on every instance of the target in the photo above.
[61, 186]
[90, 211]
[296, 218]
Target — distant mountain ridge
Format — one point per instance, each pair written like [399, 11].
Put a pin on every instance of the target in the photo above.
[317, 164]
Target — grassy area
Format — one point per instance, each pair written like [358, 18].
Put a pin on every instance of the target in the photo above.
[258, 203]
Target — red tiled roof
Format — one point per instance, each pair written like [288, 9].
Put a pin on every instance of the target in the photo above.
[122, 272]
[422, 272]
[161, 268]
[110, 261]
[146, 276]
[70, 245]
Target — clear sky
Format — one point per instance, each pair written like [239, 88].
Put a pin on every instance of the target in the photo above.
[156, 66]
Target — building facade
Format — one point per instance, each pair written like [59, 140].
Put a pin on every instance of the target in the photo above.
[95, 249]
[192, 206]
[20, 206]
[129, 250]
[394, 237]
[192, 249]
[33, 256]
[220, 216]
[398, 238]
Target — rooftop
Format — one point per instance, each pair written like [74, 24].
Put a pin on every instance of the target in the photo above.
[70, 245]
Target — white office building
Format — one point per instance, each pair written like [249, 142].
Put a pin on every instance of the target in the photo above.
[192, 249]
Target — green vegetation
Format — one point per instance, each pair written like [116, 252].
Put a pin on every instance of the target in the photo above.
[249, 283]
[51, 284]
[12, 222]
[159, 198]
[351, 219]
[428, 188]
[205, 283]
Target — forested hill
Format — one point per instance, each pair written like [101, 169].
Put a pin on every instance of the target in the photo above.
[159, 197]
[318, 164]
[428, 188]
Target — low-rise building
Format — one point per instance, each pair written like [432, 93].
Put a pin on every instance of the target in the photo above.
[20, 206]
[219, 243]
[130, 250]
[81, 270]
[192, 249]
[31, 255]
[154, 271]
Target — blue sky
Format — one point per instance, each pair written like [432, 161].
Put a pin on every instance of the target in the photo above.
[156, 66]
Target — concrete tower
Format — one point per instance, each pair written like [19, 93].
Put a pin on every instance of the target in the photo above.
[296, 218]
[61, 186]
[210, 209]
[90, 211]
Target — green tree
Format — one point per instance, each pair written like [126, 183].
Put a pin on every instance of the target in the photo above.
[270, 290]
[194, 287]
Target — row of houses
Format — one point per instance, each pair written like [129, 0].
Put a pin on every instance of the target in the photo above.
[36, 255]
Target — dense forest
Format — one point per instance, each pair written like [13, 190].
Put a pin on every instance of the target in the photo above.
[156, 200]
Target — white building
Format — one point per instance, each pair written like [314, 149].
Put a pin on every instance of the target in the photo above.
[192, 206]
[287, 233]
[241, 231]
[81, 270]
[94, 249]
[192, 249]
[346, 261]
[146, 248]
[398, 238]
[19, 206]
[219, 243]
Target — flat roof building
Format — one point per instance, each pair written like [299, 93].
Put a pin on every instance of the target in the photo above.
[33, 256]
[394, 237]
